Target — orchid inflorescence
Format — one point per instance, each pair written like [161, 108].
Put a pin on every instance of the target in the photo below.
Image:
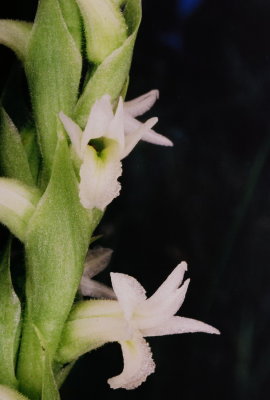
[61, 168]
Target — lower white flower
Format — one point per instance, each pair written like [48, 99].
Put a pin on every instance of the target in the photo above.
[128, 320]
[107, 138]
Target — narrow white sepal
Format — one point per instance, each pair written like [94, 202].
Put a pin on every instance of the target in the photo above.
[173, 281]
[99, 119]
[156, 314]
[141, 104]
[132, 124]
[138, 364]
[91, 288]
[74, 132]
[116, 127]
[132, 140]
[97, 259]
[177, 325]
[129, 292]
[153, 137]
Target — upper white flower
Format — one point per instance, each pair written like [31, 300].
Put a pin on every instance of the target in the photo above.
[107, 138]
[128, 320]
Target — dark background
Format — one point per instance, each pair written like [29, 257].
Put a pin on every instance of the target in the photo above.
[206, 200]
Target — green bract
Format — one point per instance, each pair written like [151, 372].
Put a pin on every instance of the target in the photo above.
[10, 314]
[105, 28]
[53, 67]
[56, 244]
[13, 158]
[111, 75]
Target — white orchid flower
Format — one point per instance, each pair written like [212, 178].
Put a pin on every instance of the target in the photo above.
[105, 141]
[128, 320]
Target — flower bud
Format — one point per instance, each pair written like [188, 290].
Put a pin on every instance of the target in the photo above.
[17, 205]
[105, 28]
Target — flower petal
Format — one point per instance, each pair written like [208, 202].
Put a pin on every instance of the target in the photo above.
[141, 104]
[173, 281]
[180, 325]
[138, 364]
[96, 260]
[132, 140]
[89, 287]
[131, 125]
[116, 127]
[99, 119]
[153, 137]
[151, 315]
[74, 132]
[99, 184]
[129, 292]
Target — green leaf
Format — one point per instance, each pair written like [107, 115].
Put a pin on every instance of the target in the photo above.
[111, 75]
[13, 159]
[105, 28]
[10, 312]
[6, 393]
[56, 245]
[17, 205]
[53, 68]
[15, 35]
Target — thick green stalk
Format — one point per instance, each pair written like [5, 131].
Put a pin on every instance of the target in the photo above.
[56, 243]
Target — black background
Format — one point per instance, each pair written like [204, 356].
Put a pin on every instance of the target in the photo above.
[206, 200]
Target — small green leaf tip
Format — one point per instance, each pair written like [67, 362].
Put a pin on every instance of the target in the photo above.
[6, 393]
[13, 159]
[15, 35]
[105, 28]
